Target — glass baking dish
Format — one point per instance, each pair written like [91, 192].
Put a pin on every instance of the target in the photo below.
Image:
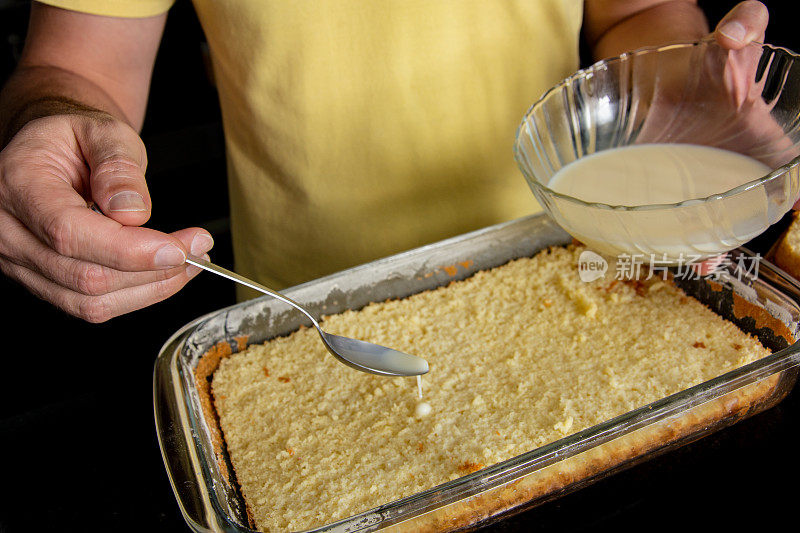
[766, 305]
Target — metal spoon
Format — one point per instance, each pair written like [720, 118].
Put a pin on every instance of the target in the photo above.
[360, 355]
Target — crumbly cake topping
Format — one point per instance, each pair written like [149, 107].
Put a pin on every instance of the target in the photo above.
[520, 356]
[787, 251]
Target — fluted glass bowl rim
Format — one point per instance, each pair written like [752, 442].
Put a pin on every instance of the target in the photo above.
[587, 71]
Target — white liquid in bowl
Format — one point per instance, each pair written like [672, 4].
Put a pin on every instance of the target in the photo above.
[662, 174]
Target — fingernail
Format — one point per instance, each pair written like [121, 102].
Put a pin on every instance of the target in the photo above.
[126, 201]
[201, 243]
[169, 255]
[734, 30]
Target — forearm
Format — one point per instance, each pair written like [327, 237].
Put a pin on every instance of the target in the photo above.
[80, 63]
[37, 91]
[659, 24]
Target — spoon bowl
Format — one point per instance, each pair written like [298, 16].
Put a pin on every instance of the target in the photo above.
[363, 355]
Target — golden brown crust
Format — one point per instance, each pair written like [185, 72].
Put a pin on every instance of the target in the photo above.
[742, 308]
[784, 254]
[624, 450]
[206, 366]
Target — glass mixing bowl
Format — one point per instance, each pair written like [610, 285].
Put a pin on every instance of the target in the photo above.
[746, 101]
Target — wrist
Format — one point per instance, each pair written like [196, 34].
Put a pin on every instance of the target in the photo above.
[46, 106]
[659, 25]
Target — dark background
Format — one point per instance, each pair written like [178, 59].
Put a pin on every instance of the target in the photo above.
[78, 450]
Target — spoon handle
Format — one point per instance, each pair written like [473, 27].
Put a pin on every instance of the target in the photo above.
[233, 276]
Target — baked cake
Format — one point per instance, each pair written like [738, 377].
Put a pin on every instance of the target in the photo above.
[787, 251]
[520, 356]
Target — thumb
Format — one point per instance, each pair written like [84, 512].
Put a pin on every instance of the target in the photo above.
[117, 161]
[743, 24]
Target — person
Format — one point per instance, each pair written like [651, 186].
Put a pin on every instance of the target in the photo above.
[353, 130]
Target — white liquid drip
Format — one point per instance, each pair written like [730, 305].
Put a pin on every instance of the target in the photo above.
[423, 408]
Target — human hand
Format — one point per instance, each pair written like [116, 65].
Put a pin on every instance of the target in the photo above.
[725, 104]
[90, 265]
[745, 23]
[717, 96]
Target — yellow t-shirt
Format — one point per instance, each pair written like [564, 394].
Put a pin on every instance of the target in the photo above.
[356, 129]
